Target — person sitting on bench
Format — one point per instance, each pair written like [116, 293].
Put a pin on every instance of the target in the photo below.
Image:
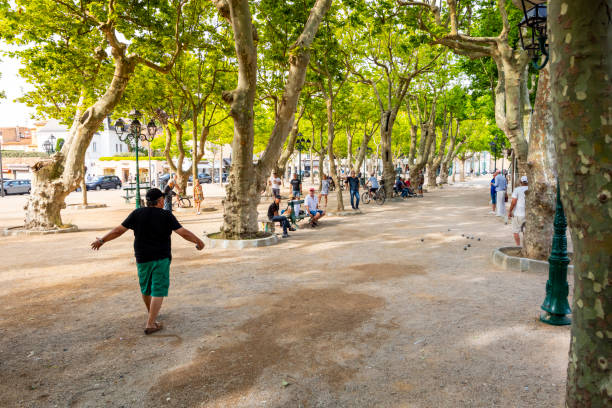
[312, 205]
[273, 215]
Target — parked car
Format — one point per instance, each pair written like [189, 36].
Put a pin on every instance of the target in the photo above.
[223, 178]
[17, 187]
[104, 182]
[204, 178]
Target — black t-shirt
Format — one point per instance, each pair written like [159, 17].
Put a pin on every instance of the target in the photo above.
[353, 183]
[272, 209]
[295, 184]
[152, 228]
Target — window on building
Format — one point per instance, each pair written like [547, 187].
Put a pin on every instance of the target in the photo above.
[93, 146]
[121, 148]
[116, 148]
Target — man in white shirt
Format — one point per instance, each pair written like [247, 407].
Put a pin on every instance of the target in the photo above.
[312, 205]
[275, 183]
[517, 210]
[373, 182]
[501, 185]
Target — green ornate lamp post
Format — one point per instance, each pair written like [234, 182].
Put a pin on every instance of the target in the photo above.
[302, 143]
[556, 306]
[132, 133]
[532, 31]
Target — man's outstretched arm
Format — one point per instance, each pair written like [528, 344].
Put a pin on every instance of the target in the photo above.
[191, 237]
[114, 233]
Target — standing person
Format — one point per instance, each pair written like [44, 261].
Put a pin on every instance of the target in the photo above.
[152, 228]
[324, 189]
[296, 186]
[273, 215]
[275, 183]
[312, 205]
[168, 194]
[421, 182]
[198, 195]
[500, 190]
[517, 210]
[493, 192]
[353, 183]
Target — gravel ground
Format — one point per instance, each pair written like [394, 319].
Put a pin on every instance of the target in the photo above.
[383, 309]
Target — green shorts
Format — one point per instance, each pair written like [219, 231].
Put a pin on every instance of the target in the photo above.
[154, 277]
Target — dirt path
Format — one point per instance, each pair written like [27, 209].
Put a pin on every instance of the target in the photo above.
[358, 313]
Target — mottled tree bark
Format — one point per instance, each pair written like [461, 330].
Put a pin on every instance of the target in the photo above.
[540, 197]
[581, 49]
[247, 180]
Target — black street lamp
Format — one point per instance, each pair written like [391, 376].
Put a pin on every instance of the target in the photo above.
[133, 133]
[555, 305]
[494, 149]
[302, 143]
[532, 31]
[48, 146]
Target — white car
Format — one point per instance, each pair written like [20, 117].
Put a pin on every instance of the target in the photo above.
[17, 187]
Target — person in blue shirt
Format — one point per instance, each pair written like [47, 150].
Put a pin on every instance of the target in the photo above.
[493, 193]
[500, 190]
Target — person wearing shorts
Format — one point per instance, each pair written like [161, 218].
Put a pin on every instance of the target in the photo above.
[312, 206]
[517, 210]
[275, 183]
[152, 227]
[324, 189]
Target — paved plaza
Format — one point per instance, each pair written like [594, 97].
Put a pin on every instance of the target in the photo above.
[383, 309]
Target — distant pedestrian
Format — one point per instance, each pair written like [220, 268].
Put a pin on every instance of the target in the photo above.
[353, 183]
[152, 228]
[517, 210]
[493, 193]
[275, 184]
[296, 186]
[324, 189]
[420, 182]
[168, 194]
[500, 190]
[198, 195]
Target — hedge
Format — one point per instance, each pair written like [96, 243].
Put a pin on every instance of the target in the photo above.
[19, 153]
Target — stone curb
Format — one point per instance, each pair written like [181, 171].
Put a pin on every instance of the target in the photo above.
[239, 243]
[8, 232]
[515, 263]
[85, 207]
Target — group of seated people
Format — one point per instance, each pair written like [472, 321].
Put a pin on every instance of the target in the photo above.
[403, 187]
[312, 211]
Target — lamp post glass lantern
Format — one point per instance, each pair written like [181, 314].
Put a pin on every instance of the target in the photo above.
[532, 31]
[302, 143]
[132, 133]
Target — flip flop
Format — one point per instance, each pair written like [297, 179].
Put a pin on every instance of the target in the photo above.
[151, 330]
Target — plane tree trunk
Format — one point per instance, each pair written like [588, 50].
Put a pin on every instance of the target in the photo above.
[581, 48]
[247, 180]
[540, 197]
[55, 178]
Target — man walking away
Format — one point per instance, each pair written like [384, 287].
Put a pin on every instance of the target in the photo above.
[312, 205]
[353, 183]
[152, 227]
[296, 186]
[500, 191]
[493, 192]
[517, 210]
[274, 216]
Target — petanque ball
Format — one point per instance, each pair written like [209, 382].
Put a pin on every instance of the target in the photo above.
[479, 239]
[422, 240]
[469, 245]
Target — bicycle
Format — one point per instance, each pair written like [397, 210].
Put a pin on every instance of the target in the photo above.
[181, 201]
[379, 196]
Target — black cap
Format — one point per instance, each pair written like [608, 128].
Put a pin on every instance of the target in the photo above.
[154, 194]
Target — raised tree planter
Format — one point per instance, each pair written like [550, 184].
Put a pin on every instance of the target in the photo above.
[20, 231]
[263, 239]
[509, 258]
[344, 213]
